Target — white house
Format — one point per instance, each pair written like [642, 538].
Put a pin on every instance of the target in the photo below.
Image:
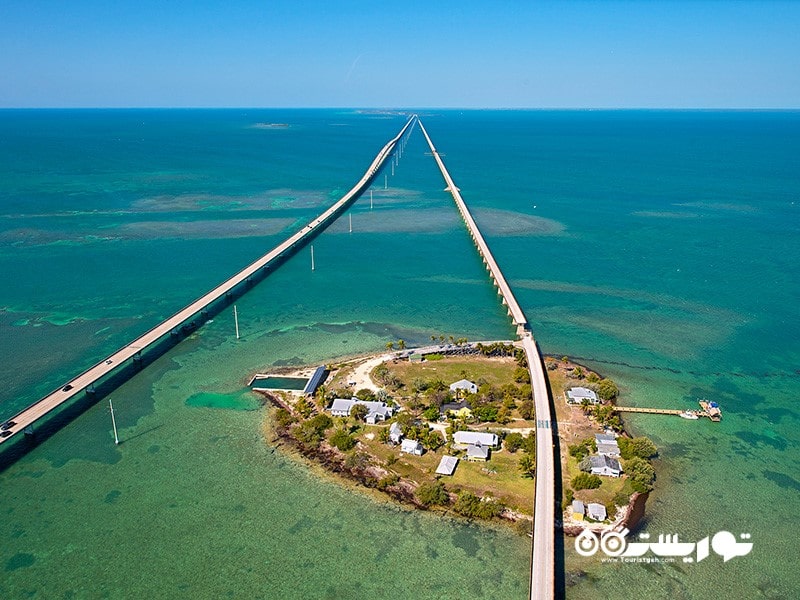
[411, 447]
[376, 411]
[447, 465]
[465, 385]
[605, 465]
[462, 439]
[395, 433]
[577, 395]
[596, 511]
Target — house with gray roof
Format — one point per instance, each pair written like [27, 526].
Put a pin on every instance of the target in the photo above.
[477, 453]
[611, 450]
[605, 465]
[596, 511]
[607, 445]
[447, 465]
[577, 395]
[464, 385]
[376, 411]
[605, 438]
[462, 439]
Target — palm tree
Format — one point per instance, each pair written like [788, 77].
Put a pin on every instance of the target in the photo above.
[441, 338]
[401, 344]
[321, 395]
[390, 345]
[433, 338]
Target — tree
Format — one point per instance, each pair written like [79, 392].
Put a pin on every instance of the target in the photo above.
[342, 440]
[522, 375]
[485, 413]
[640, 473]
[582, 449]
[432, 493]
[390, 345]
[401, 344]
[433, 338]
[643, 447]
[431, 413]
[585, 481]
[359, 412]
[526, 409]
[514, 441]
[365, 395]
[577, 372]
[527, 464]
[607, 390]
[433, 440]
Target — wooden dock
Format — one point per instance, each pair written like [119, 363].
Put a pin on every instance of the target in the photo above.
[654, 411]
[185, 317]
[707, 410]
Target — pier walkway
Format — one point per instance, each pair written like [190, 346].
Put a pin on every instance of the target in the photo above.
[543, 550]
[88, 378]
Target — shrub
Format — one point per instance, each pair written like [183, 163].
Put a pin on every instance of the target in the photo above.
[284, 418]
[342, 440]
[387, 481]
[582, 449]
[487, 412]
[526, 409]
[640, 473]
[432, 493]
[586, 481]
[607, 390]
[469, 505]
[431, 413]
[514, 441]
[522, 375]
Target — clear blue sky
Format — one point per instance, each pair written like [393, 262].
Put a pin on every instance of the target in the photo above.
[431, 53]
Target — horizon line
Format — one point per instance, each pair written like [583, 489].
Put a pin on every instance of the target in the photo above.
[409, 108]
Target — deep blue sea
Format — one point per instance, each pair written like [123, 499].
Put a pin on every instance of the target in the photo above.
[661, 248]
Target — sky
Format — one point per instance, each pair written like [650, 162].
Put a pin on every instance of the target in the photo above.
[423, 54]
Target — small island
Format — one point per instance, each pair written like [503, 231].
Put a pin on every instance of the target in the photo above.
[451, 427]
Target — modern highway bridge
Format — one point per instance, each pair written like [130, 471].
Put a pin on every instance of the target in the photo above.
[133, 351]
[543, 555]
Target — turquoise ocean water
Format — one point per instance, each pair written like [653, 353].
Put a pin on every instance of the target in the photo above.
[660, 247]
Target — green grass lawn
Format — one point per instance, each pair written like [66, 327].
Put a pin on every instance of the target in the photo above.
[496, 371]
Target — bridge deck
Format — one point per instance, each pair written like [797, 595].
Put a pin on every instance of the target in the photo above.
[86, 379]
[543, 549]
